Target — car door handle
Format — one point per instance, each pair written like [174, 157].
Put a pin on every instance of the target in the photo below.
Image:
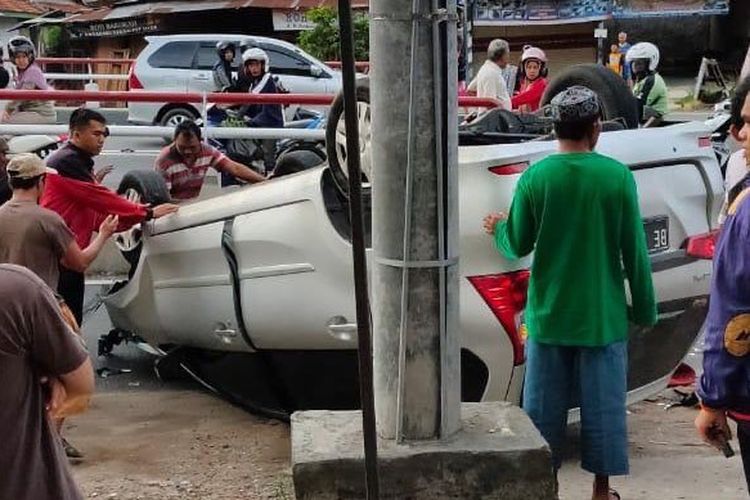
[340, 329]
[227, 335]
[201, 78]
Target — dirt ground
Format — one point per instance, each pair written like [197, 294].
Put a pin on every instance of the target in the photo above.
[178, 445]
[186, 444]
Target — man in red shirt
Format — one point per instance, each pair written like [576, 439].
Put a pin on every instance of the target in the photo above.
[184, 163]
[76, 193]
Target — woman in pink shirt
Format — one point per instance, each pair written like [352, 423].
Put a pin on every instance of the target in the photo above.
[29, 77]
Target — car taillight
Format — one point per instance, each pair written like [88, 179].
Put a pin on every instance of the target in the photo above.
[704, 142]
[506, 296]
[702, 246]
[510, 169]
[133, 82]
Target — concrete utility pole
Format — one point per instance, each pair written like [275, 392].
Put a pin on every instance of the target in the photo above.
[497, 454]
[415, 218]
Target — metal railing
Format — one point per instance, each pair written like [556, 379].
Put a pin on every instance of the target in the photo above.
[202, 100]
[198, 98]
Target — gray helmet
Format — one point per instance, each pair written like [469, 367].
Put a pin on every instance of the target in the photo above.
[21, 45]
[223, 46]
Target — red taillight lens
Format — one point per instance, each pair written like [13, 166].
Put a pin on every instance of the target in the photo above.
[704, 142]
[702, 246]
[511, 169]
[133, 82]
[506, 296]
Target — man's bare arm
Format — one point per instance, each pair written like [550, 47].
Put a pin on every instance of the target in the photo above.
[77, 259]
[242, 172]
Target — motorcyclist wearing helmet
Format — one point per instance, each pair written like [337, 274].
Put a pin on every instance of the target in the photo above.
[222, 70]
[649, 89]
[533, 80]
[28, 76]
[255, 65]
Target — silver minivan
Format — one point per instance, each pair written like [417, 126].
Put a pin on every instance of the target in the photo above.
[183, 63]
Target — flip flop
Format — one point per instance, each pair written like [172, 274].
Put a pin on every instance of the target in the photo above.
[613, 493]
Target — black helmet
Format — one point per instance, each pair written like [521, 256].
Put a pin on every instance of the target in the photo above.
[222, 47]
[22, 45]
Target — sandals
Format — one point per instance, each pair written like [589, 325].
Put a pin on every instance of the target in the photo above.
[613, 493]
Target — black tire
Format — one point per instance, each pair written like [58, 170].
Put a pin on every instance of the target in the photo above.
[334, 115]
[175, 115]
[153, 190]
[4, 77]
[296, 161]
[615, 95]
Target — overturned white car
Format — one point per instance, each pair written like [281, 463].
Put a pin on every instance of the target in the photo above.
[250, 289]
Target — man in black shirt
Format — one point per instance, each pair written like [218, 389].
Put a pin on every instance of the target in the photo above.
[76, 194]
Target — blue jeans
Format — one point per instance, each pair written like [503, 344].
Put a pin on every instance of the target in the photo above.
[557, 377]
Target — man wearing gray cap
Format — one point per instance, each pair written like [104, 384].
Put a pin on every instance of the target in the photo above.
[578, 212]
[38, 238]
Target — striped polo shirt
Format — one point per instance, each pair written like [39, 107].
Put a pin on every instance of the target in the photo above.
[184, 180]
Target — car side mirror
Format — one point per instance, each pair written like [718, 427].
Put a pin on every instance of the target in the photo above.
[316, 71]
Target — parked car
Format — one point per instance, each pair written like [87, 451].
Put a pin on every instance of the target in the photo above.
[262, 276]
[183, 63]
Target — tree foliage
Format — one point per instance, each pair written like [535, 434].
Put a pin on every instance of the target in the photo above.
[323, 40]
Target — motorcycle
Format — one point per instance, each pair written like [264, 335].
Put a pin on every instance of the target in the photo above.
[291, 155]
[41, 145]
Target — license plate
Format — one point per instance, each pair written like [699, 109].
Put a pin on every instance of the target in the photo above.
[657, 233]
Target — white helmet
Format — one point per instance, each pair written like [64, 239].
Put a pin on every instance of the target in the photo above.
[644, 50]
[531, 52]
[255, 54]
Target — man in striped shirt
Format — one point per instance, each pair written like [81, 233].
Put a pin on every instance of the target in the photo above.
[184, 163]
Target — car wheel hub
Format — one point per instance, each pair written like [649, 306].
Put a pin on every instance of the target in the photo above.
[129, 240]
[365, 141]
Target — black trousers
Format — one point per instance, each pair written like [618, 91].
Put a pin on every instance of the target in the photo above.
[71, 287]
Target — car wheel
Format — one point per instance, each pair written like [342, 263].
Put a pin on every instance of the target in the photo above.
[139, 186]
[336, 137]
[616, 97]
[175, 116]
[295, 161]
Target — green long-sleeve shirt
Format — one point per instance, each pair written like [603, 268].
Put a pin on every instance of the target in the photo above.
[579, 213]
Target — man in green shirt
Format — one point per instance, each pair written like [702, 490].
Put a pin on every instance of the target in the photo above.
[578, 212]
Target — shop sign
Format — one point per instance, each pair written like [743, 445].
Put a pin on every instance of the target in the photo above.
[291, 20]
[652, 8]
[120, 27]
[510, 12]
[524, 11]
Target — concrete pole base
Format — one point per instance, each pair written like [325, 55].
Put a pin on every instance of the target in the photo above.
[498, 454]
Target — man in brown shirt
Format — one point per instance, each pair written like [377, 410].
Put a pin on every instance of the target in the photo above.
[36, 344]
[38, 238]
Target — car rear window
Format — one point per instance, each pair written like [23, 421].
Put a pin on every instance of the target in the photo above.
[285, 62]
[175, 55]
[207, 56]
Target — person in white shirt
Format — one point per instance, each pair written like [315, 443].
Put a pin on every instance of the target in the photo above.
[489, 81]
[738, 165]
